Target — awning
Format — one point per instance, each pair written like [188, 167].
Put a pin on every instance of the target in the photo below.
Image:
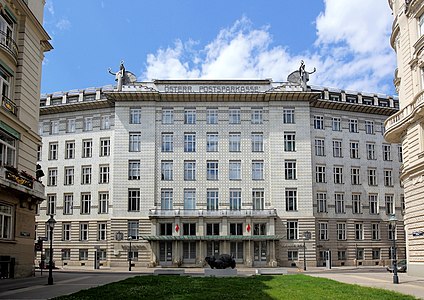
[211, 238]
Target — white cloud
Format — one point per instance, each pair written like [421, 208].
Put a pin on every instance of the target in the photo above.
[63, 24]
[351, 51]
[49, 7]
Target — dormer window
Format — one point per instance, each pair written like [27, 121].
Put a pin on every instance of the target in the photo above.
[335, 97]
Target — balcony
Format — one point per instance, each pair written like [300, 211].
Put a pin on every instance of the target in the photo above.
[9, 105]
[8, 44]
[164, 213]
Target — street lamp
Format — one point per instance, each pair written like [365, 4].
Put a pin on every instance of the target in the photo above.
[392, 222]
[50, 223]
[129, 254]
[306, 236]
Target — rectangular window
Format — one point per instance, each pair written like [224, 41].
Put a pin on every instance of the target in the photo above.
[257, 116]
[388, 178]
[372, 176]
[52, 177]
[289, 141]
[320, 174]
[189, 199]
[341, 231]
[189, 142]
[132, 229]
[321, 202]
[288, 115]
[134, 171]
[166, 199]
[373, 202]
[39, 152]
[70, 125]
[375, 231]
[257, 142]
[168, 116]
[66, 231]
[104, 174]
[212, 229]
[189, 170]
[341, 254]
[87, 146]
[212, 142]
[354, 149]
[85, 203]
[83, 234]
[234, 142]
[388, 199]
[54, 127]
[190, 116]
[135, 142]
[53, 150]
[167, 170]
[235, 199]
[258, 199]
[104, 147]
[88, 124]
[336, 124]
[51, 204]
[338, 174]
[400, 154]
[69, 149]
[319, 147]
[376, 254]
[337, 148]
[68, 204]
[135, 115]
[340, 203]
[86, 175]
[234, 170]
[353, 125]
[291, 199]
[290, 169]
[212, 199]
[292, 255]
[133, 200]
[387, 152]
[212, 116]
[370, 147]
[167, 142]
[355, 175]
[369, 127]
[105, 122]
[69, 175]
[234, 116]
[292, 230]
[323, 231]
[165, 229]
[257, 170]
[101, 231]
[318, 122]
[212, 170]
[83, 254]
[259, 229]
[236, 228]
[189, 228]
[356, 204]
[359, 231]
[103, 202]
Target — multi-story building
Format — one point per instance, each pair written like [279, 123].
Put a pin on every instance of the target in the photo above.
[171, 171]
[22, 44]
[407, 126]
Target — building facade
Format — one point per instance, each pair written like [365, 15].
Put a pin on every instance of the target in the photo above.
[171, 171]
[23, 42]
[407, 125]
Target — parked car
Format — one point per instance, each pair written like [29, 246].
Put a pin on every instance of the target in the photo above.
[401, 266]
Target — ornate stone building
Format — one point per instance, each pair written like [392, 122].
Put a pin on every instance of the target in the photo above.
[407, 125]
[170, 171]
[23, 42]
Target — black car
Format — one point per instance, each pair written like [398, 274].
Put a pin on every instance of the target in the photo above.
[401, 266]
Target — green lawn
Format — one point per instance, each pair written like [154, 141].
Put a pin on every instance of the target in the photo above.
[254, 287]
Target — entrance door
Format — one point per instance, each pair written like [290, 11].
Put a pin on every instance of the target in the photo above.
[259, 252]
[165, 253]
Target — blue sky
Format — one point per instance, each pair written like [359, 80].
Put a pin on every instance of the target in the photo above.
[347, 41]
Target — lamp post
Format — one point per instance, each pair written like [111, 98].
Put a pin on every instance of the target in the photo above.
[306, 236]
[50, 223]
[392, 222]
[129, 254]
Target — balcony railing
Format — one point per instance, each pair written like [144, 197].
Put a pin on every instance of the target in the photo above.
[9, 105]
[212, 213]
[8, 44]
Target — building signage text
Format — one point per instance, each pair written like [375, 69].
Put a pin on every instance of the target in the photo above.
[219, 89]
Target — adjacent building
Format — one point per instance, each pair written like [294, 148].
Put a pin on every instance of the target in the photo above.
[171, 171]
[407, 126]
[23, 42]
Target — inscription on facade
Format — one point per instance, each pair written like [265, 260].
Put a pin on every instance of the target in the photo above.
[212, 89]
